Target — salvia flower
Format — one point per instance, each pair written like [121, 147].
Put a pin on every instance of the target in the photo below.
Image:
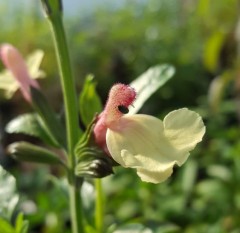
[144, 142]
[15, 63]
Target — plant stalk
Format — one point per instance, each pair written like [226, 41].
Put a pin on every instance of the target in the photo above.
[99, 206]
[71, 115]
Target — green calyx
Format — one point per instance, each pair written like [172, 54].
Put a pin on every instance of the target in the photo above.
[93, 167]
[91, 161]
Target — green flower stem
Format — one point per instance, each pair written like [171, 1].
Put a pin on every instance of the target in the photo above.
[71, 114]
[99, 206]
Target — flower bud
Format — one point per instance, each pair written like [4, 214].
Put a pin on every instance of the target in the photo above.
[28, 152]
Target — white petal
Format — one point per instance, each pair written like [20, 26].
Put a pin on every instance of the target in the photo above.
[130, 135]
[154, 177]
[154, 173]
[184, 128]
[139, 142]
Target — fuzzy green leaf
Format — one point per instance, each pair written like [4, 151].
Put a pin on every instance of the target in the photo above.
[149, 82]
[89, 101]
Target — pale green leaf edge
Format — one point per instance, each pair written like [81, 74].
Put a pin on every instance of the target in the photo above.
[149, 82]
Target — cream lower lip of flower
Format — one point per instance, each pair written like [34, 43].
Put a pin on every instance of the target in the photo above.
[152, 146]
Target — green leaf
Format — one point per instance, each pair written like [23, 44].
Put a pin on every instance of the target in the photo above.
[5, 226]
[221, 172]
[25, 226]
[189, 176]
[21, 225]
[212, 50]
[217, 90]
[48, 118]
[211, 189]
[133, 228]
[8, 196]
[9, 84]
[28, 152]
[29, 124]
[90, 229]
[168, 228]
[89, 101]
[147, 83]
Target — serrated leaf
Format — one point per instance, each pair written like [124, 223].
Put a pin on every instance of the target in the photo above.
[8, 83]
[89, 101]
[8, 196]
[29, 124]
[149, 82]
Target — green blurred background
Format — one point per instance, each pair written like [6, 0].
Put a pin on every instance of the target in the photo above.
[117, 41]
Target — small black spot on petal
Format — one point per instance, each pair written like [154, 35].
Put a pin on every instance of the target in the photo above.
[123, 109]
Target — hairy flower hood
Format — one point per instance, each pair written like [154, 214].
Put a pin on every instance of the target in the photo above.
[147, 144]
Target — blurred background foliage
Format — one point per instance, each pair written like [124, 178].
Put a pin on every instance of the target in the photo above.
[202, 40]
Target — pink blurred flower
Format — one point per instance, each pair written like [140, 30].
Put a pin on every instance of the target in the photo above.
[14, 62]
